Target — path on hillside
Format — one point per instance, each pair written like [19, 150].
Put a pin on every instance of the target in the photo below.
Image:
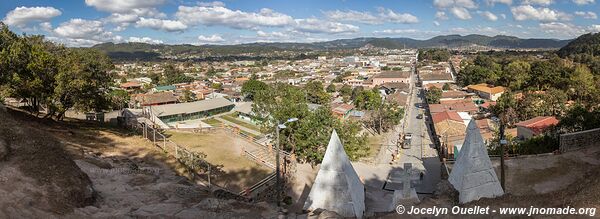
[251, 131]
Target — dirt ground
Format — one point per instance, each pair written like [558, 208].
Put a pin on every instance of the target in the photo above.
[225, 149]
[78, 169]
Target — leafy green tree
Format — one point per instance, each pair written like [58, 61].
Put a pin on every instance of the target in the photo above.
[119, 99]
[315, 93]
[446, 86]
[188, 96]
[581, 84]
[216, 86]
[505, 108]
[516, 75]
[251, 87]
[173, 75]
[544, 74]
[330, 88]
[433, 95]
[355, 92]
[346, 90]
[368, 100]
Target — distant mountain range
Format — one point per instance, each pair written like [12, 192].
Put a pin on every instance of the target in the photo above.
[141, 50]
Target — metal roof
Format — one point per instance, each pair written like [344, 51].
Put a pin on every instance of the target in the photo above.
[191, 107]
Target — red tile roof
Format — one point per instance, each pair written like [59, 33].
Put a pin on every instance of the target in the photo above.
[539, 124]
[446, 115]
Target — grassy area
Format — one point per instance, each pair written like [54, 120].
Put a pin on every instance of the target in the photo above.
[232, 118]
[212, 121]
[225, 149]
[374, 143]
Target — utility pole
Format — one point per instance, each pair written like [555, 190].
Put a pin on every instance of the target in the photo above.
[277, 182]
[502, 143]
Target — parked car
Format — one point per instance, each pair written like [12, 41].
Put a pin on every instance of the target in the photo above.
[406, 144]
[408, 136]
[420, 116]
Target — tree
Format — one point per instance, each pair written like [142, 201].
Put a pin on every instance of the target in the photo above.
[515, 75]
[331, 88]
[355, 92]
[216, 86]
[173, 75]
[119, 99]
[83, 82]
[346, 90]
[581, 84]
[188, 96]
[251, 87]
[433, 95]
[307, 137]
[446, 87]
[315, 93]
[368, 100]
[505, 108]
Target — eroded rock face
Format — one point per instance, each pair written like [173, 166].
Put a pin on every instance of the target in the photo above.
[4, 150]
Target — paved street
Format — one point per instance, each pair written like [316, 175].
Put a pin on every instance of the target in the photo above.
[422, 153]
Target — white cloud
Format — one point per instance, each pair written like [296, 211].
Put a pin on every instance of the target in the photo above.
[492, 2]
[488, 15]
[120, 6]
[210, 39]
[218, 15]
[461, 13]
[313, 25]
[586, 15]
[583, 2]
[396, 31]
[470, 4]
[391, 16]
[503, 16]
[594, 28]
[21, 16]
[273, 34]
[144, 40]
[158, 24]
[353, 16]
[80, 32]
[537, 2]
[562, 29]
[211, 4]
[440, 15]
[528, 12]
[436, 23]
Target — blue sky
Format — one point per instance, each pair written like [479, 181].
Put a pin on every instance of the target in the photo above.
[88, 22]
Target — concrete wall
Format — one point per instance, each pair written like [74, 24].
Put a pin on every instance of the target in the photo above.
[524, 133]
[577, 140]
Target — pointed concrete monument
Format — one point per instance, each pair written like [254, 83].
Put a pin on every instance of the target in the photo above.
[473, 175]
[337, 186]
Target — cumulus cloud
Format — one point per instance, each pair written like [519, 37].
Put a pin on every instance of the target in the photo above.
[583, 2]
[211, 4]
[353, 16]
[440, 15]
[120, 6]
[470, 4]
[158, 24]
[21, 16]
[562, 29]
[461, 13]
[586, 15]
[80, 32]
[219, 15]
[144, 40]
[210, 39]
[493, 2]
[528, 12]
[488, 15]
[537, 2]
[436, 23]
[313, 25]
[391, 16]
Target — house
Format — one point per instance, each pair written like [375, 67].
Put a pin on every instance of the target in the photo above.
[131, 86]
[399, 97]
[164, 88]
[454, 95]
[487, 91]
[450, 130]
[391, 76]
[341, 110]
[244, 111]
[536, 126]
[458, 106]
[155, 99]
[393, 87]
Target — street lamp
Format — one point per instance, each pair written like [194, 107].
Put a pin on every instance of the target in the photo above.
[277, 184]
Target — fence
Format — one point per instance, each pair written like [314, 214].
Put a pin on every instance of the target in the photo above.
[194, 161]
